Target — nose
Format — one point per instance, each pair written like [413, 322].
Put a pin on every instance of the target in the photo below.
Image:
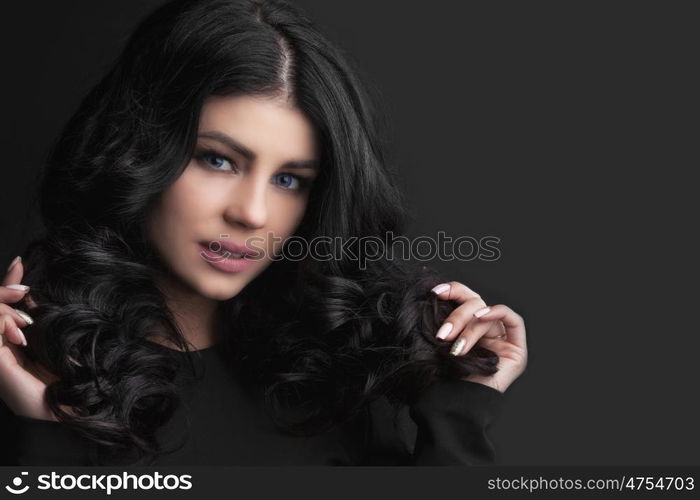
[247, 203]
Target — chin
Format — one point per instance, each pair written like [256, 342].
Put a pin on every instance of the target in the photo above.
[220, 292]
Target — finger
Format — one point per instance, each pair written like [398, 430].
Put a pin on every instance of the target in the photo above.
[15, 271]
[513, 322]
[454, 290]
[497, 330]
[468, 338]
[21, 318]
[459, 318]
[9, 294]
[31, 304]
[10, 331]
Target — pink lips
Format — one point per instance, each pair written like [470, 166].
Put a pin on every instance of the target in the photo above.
[224, 261]
[231, 247]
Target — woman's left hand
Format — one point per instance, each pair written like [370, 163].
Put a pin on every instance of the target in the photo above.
[497, 328]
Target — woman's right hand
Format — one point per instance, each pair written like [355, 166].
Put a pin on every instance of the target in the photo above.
[22, 383]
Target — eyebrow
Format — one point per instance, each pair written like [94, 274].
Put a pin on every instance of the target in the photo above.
[249, 155]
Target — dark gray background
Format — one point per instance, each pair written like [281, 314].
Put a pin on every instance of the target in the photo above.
[562, 128]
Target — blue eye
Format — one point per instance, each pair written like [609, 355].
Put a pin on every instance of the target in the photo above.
[216, 161]
[289, 180]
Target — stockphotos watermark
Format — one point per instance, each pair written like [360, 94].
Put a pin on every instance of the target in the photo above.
[105, 483]
[361, 249]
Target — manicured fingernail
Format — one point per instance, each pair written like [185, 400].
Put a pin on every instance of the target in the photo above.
[457, 347]
[21, 288]
[26, 317]
[441, 288]
[14, 261]
[444, 330]
[24, 339]
[481, 312]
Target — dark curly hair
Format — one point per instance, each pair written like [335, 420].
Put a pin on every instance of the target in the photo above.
[323, 338]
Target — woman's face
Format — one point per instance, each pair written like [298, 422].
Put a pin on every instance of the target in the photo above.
[247, 183]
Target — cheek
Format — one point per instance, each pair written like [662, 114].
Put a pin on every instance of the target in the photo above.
[288, 214]
[179, 211]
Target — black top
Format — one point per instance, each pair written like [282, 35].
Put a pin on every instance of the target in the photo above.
[446, 426]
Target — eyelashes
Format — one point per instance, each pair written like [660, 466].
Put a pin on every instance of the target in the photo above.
[205, 157]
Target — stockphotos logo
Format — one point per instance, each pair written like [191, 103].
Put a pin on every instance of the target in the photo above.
[17, 488]
[106, 483]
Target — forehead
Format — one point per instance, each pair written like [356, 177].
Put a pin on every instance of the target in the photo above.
[267, 126]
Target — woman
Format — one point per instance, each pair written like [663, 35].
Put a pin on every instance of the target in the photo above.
[223, 129]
